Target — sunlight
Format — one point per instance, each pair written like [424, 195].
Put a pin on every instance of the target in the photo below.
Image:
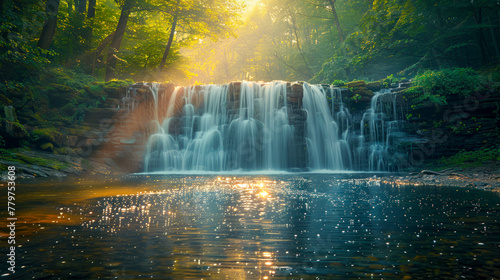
[249, 4]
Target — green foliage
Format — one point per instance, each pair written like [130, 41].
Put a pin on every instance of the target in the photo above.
[436, 85]
[467, 159]
[20, 59]
[391, 80]
[356, 97]
[19, 156]
[338, 83]
[407, 36]
[73, 78]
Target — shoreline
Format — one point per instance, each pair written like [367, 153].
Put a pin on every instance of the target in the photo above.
[485, 177]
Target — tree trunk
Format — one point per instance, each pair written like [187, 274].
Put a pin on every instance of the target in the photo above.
[114, 47]
[336, 21]
[49, 27]
[70, 7]
[494, 39]
[81, 6]
[170, 39]
[100, 49]
[89, 29]
[294, 27]
[482, 47]
[91, 10]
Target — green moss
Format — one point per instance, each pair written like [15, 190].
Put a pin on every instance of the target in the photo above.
[17, 156]
[355, 84]
[49, 135]
[47, 147]
[13, 129]
[338, 83]
[466, 159]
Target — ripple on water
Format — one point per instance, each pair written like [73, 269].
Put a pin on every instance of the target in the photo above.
[229, 227]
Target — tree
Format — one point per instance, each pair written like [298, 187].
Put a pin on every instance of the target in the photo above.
[20, 58]
[114, 47]
[171, 37]
[49, 27]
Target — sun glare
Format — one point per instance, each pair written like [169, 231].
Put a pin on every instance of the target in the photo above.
[249, 4]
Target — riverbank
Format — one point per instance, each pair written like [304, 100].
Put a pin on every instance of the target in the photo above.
[39, 164]
[485, 177]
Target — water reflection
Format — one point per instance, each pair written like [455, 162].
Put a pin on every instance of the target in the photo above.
[255, 227]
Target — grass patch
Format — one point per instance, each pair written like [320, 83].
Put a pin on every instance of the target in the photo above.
[466, 159]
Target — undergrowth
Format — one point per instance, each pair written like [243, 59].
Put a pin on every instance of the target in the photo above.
[477, 158]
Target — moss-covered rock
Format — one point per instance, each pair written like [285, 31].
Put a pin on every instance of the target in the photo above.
[48, 147]
[115, 87]
[63, 151]
[364, 92]
[374, 86]
[96, 90]
[59, 95]
[50, 135]
[12, 132]
[80, 131]
[355, 84]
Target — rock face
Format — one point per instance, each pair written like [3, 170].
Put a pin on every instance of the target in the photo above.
[119, 134]
[113, 135]
[464, 123]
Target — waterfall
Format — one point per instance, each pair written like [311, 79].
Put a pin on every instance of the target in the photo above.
[271, 126]
[218, 131]
[378, 126]
[323, 146]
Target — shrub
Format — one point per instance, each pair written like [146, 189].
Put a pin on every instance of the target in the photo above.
[473, 158]
[436, 85]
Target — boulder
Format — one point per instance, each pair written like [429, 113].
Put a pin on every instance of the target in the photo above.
[354, 84]
[50, 135]
[13, 130]
[47, 147]
[116, 89]
[374, 86]
[363, 92]
[59, 95]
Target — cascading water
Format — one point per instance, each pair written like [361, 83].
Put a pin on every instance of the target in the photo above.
[378, 126]
[251, 126]
[323, 146]
[249, 131]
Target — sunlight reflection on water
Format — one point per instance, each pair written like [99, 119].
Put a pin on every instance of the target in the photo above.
[252, 227]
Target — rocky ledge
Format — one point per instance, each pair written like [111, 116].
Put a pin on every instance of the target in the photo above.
[486, 177]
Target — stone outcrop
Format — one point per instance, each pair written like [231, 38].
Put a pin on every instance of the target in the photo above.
[464, 123]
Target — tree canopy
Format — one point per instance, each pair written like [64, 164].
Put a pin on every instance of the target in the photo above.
[197, 41]
[326, 40]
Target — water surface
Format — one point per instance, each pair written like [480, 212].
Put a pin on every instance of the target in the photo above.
[301, 226]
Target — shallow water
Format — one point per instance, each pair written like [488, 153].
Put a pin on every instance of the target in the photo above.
[300, 226]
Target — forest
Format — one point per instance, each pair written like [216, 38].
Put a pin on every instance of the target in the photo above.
[218, 41]
[62, 60]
